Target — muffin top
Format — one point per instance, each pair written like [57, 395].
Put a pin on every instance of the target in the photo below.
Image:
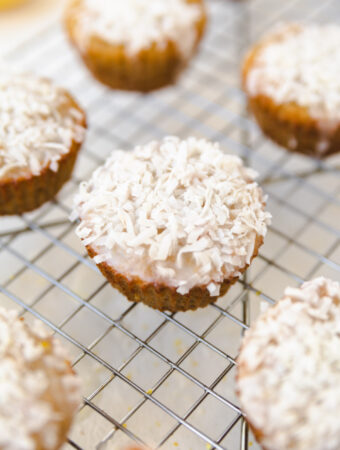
[176, 212]
[38, 123]
[138, 24]
[300, 63]
[38, 390]
[289, 370]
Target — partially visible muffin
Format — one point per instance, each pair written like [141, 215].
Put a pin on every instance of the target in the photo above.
[173, 223]
[136, 45]
[289, 370]
[136, 447]
[39, 392]
[41, 131]
[7, 4]
[291, 78]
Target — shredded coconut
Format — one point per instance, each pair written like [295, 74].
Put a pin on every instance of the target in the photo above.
[289, 377]
[38, 393]
[138, 24]
[301, 64]
[37, 125]
[177, 212]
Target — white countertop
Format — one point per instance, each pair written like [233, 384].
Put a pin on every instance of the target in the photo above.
[17, 24]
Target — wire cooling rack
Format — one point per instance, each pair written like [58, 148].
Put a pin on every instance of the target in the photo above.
[167, 380]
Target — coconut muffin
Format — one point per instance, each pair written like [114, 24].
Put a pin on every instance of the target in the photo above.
[137, 45]
[39, 392]
[289, 370]
[291, 78]
[41, 131]
[173, 223]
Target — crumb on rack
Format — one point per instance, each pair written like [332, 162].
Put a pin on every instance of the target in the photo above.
[46, 344]
[179, 346]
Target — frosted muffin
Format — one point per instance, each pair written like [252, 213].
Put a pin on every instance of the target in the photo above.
[41, 131]
[173, 223]
[39, 393]
[291, 78]
[135, 44]
[289, 370]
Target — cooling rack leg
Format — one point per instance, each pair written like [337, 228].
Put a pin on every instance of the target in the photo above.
[244, 435]
[245, 319]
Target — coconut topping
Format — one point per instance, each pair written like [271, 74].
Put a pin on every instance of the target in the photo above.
[138, 24]
[37, 125]
[176, 212]
[301, 64]
[38, 392]
[289, 370]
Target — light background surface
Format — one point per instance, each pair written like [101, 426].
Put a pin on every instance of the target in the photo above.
[142, 369]
[21, 22]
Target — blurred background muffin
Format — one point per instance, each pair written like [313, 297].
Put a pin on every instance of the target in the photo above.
[137, 44]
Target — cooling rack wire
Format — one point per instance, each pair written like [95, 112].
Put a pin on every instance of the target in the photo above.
[167, 380]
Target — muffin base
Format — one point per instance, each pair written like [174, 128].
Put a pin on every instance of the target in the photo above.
[289, 124]
[28, 193]
[285, 125]
[150, 69]
[160, 296]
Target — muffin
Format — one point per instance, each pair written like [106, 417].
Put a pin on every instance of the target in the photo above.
[137, 45]
[291, 78]
[173, 223]
[289, 370]
[39, 393]
[41, 131]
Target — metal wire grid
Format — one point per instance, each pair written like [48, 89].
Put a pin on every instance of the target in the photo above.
[167, 380]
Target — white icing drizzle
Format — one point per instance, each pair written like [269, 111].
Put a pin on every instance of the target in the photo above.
[38, 393]
[181, 213]
[36, 125]
[301, 64]
[137, 24]
[289, 384]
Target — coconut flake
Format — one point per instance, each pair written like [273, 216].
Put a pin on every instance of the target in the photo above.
[176, 212]
[289, 377]
[38, 394]
[37, 125]
[301, 63]
[138, 24]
